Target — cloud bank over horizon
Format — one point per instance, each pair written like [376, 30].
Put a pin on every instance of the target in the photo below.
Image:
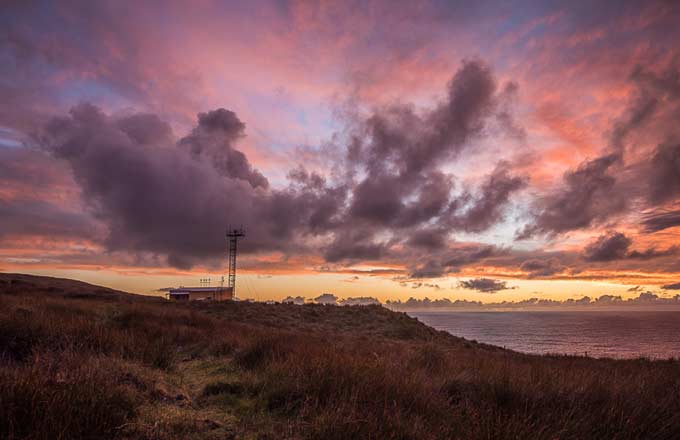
[644, 300]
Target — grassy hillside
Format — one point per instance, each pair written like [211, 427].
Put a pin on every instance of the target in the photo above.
[80, 361]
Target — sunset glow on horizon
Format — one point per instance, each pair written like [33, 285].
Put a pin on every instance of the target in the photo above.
[477, 152]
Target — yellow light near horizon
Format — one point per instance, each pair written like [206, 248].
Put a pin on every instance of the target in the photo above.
[278, 286]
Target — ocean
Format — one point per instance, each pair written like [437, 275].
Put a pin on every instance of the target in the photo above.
[615, 334]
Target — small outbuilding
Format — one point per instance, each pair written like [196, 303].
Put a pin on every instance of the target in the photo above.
[201, 293]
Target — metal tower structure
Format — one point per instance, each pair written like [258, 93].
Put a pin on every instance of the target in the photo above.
[233, 235]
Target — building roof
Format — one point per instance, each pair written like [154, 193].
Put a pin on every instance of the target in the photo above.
[197, 289]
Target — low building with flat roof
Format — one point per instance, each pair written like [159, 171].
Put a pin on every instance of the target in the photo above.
[201, 293]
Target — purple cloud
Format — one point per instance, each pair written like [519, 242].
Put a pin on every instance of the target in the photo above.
[485, 285]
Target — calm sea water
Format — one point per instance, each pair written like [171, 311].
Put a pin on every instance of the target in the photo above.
[626, 334]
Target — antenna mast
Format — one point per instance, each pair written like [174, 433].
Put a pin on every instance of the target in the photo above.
[233, 235]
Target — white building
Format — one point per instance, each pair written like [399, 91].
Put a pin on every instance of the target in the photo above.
[201, 293]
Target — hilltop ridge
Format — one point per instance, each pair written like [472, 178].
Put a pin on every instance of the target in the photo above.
[35, 284]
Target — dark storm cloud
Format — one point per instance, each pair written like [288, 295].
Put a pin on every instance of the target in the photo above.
[485, 285]
[378, 200]
[325, 201]
[389, 202]
[146, 129]
[400, 150]
[158, 198]
[389, 189]
[589, 196]
[674, 286]
[608, 247]
[615, 246]
[213, 140]
[414, 143]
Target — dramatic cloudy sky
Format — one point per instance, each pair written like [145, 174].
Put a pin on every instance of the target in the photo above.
[477, 150]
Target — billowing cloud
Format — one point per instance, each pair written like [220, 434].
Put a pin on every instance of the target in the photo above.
[158, 197]
[615, 246]
[174, 197]
[213, 140]
[400, 151]
[611, 246]
[589, 196]
[485, 285]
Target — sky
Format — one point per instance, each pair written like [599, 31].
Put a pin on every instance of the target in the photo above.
[482, 151]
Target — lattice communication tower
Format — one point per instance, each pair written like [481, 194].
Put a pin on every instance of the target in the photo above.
[232, 237]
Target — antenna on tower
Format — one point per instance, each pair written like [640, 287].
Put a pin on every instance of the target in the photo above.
[232, 236]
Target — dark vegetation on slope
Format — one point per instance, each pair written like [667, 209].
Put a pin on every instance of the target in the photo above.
[80, 362]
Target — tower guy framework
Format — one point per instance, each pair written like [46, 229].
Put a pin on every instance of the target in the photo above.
[232, 236]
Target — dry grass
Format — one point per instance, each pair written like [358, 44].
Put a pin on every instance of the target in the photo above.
[84, 365]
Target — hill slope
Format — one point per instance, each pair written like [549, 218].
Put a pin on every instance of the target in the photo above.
[17, 283]
[78, 361]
